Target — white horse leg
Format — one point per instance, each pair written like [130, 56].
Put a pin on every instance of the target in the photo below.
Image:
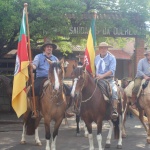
[23, 141]
[37, 140]
[99, 140]
[90, 136]
[119, 146]
[53, 144]
[108, 140]
[124, 135]
[47, 145]
[85, 130]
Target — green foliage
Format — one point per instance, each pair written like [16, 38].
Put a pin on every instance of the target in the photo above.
[48, 18]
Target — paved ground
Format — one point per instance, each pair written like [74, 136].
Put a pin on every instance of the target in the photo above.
[11, 130]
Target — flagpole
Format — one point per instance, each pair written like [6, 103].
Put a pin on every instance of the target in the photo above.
[30, 59]
[95, 17]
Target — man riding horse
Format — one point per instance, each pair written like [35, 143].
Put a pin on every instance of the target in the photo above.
[143, 72]
[105, 64]
[41, 65]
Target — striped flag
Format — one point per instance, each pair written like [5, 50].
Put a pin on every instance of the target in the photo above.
[90, 51]
[19, 97]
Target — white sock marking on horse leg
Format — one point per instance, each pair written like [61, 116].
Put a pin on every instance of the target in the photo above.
[73, 88]
[85, 130]
[123, 122]
[120, 133]
[124, 111]
[108, 140]
[47, 145]
[53, 144]
[37, 140]
[23, 134]
[99, 140]
[56, 80]
[90, 136]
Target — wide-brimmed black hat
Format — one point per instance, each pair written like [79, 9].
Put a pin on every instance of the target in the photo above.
[48, 43]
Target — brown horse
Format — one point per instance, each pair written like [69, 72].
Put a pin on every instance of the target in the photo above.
[143, 104]
[93, 106]
[30, 125]
[53, 102]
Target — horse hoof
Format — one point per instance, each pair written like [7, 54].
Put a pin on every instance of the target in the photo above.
[119, 146]
[23, 142]
[39, 144]
[124, 135]
[107, 145]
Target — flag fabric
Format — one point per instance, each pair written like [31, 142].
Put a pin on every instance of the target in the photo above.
[19, 97]
[90, 51]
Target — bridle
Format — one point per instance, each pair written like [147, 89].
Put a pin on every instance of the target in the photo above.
[54, 93]
[84, 77]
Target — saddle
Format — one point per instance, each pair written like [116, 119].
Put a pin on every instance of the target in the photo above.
[105, 88]
[107, 91]
[128, 89]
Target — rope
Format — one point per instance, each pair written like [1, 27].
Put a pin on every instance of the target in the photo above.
[86, 100]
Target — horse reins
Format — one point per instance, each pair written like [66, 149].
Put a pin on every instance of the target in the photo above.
[56, 94]
[86, 100]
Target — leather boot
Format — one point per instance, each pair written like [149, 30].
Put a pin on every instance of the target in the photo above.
[134, 101]
[68, 115]
[114, 114]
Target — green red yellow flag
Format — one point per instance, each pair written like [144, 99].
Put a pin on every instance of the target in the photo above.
[19, 97]
[90, 51]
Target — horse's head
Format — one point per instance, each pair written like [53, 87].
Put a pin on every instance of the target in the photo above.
[125, 82]
[56, 73]
[78, 76]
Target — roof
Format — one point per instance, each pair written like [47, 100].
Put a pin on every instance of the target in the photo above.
[119, 54]
[10, 54]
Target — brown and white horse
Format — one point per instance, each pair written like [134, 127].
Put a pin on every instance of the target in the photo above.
[93, 107]
[53, 105]
[53, 102]
[143, 105]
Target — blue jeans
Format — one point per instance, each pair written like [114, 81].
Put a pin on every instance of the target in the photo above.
[114, 88]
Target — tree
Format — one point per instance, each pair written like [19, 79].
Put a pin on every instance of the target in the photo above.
[48, 18]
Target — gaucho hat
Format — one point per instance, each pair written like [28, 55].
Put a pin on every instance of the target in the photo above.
[48, 43]
[104, 44]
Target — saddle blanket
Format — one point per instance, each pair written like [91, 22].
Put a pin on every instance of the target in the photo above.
[128, 89]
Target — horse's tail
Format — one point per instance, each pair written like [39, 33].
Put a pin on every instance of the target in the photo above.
[30, 125]
[116, 128]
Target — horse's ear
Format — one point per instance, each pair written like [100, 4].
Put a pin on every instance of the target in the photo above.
[62, 61]
[49, 61]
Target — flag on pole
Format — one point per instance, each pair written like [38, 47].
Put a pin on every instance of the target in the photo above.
[19, 97]
[90, 51]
